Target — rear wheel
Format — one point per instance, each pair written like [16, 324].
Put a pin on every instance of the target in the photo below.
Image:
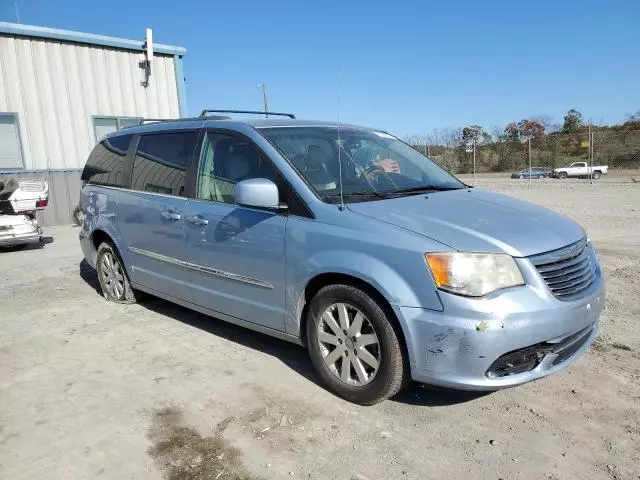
[596, 175]
[354, 347]
[113, 276]
[521, 176]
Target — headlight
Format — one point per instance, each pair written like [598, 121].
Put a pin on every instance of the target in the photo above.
[473, 274]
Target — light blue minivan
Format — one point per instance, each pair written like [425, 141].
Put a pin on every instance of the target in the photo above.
[346, 240]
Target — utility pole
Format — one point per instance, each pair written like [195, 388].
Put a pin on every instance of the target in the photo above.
[264, 98]
[590, 156]
[474, 161]
[529, 160]
[426, 146]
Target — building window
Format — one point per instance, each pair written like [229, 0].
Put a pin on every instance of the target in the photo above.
[10, 149]
[105, 125]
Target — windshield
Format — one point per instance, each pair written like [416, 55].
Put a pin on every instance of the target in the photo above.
[374, 164]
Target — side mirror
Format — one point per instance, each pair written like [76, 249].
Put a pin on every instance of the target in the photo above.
[257, 193]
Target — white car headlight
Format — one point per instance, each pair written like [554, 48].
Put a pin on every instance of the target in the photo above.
[473, 274]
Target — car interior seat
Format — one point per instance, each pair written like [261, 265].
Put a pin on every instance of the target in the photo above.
[315, 168]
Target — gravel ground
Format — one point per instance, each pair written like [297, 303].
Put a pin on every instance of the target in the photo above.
[91, 389]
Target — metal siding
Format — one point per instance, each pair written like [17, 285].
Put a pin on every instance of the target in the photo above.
[126, 82]
[57, 87]
[64, 114]
[172, 88]
[151, 94]
[138, 93]
[33, 126]
[16, 94]
[162, 91]
[81, 131]
[180, 87]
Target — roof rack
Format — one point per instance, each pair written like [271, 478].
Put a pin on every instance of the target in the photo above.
[147, 120]
[142, 121]
[252, 112]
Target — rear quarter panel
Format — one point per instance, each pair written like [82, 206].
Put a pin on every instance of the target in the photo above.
[99, 205]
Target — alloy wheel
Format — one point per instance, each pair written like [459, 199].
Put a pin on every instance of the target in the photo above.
[349, 344]
[112, 276]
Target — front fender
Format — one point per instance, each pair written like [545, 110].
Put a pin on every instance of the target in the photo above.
[395, 286]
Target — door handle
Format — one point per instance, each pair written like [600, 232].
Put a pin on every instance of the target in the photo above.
[170, 215]
[197, 220]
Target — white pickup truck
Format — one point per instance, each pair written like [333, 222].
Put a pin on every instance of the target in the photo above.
[580, 169]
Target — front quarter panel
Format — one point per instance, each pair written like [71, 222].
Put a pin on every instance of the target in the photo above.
[388, 258]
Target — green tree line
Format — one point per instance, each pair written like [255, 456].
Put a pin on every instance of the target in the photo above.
[506, 149]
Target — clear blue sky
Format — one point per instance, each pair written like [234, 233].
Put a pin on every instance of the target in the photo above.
[407, 66]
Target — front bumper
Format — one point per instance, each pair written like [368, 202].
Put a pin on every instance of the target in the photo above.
[515, 336]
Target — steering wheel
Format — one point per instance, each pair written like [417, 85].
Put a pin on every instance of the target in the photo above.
[371, 169]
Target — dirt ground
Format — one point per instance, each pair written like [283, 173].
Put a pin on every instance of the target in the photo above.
[90, 389]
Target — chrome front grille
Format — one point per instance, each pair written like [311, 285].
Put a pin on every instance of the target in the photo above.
[569, 271]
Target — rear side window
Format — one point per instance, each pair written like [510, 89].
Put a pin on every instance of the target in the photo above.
[107, 163]
[161, 162]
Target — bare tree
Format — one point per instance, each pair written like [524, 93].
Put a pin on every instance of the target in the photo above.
[497, 133]
[451, 136]
[545, 120]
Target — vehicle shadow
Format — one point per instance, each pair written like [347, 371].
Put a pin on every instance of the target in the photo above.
[293, 356]
[90, 276]
[433, 396]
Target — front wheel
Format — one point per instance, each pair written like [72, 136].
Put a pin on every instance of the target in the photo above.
[562, 175]
[113, 276]
[354, 347]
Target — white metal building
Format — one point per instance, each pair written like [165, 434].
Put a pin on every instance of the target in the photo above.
[61, 91]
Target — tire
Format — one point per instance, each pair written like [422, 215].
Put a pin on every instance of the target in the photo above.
[521, 177]
[540, 177]
[113, 277]
[596, 175]
[366, 384]
[562, 175]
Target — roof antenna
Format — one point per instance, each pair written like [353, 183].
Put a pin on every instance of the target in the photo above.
[341, 207]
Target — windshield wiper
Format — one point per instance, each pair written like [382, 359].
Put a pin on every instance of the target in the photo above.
[421, 189]
[360, 194]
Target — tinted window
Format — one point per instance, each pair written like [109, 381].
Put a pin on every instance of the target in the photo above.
[161, 162]
[107, 163]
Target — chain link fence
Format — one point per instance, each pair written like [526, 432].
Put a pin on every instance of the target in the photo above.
[617, 149]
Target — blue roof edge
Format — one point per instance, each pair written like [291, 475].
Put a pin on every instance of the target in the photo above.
[87, 38]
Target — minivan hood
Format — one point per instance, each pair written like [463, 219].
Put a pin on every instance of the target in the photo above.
[476, 220]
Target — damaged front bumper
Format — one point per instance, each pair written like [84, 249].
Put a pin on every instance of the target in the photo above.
[510, 338]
